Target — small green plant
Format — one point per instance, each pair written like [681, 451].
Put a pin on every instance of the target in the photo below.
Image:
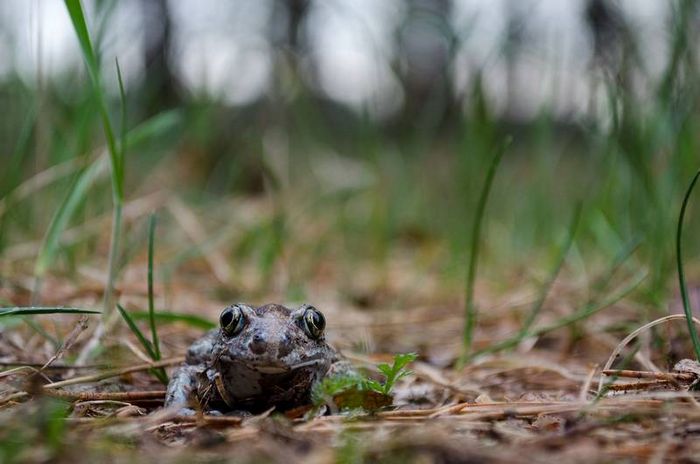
[335, 385]
[356, 391]
[392, 374]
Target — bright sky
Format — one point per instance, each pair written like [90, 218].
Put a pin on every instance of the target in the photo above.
[221, 47]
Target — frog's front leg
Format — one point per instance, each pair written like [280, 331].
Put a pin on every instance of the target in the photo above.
[340, 367]
[184, 384]
[182, 389]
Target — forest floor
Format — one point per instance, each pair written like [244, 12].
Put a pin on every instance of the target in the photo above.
[533, 400]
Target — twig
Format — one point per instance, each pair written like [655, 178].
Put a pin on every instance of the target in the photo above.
[583, 393]
[640, 385]
[129, 396]
[115, 373]
[631, 337]
[669, 376]
[79, 328]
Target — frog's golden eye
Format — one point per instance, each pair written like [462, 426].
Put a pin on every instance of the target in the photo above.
[313, 322]
[232, 320]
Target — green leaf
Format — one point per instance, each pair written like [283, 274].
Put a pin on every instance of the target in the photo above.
[372, 384]
[385, 369]
[403, 359]
[154, 127]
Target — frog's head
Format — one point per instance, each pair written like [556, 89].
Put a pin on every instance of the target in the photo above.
[273, 339]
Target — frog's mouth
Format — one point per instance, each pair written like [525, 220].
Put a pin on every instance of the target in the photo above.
[279, 369]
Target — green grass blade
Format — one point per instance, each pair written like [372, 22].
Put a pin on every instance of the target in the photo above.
[12, 167]
[122, 125]
[112, 260]
[170, 317]
[147, 345]
[34, 310]
[620, 259]
[470, 310]
[584, 313]
[544, 291]
[681, 275]
[151, 306]
[75, 11]
[135, 329]
[593, 308]
[76, 195]
[153, 127]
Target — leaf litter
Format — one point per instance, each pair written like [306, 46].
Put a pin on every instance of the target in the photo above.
[551, 396]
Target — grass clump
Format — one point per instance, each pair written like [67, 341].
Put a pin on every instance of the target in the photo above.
[470, 310]
[152, 346]
[116, 154]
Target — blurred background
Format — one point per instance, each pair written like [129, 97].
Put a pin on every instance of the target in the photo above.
[336, 149]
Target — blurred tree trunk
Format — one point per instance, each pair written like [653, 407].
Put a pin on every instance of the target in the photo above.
[514, 41]
[297, 10]
[159, 90]
[286, 36]
[426, 48]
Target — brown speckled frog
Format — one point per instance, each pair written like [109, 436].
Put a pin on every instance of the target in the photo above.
[258, 358]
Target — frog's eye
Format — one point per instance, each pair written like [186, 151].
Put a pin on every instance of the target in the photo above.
[232, 320]
[313, 322]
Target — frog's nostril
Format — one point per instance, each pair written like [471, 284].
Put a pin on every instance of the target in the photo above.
[258, 345]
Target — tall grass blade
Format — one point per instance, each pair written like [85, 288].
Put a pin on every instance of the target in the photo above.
[75, 11]
[469, 309]
[147, 345]
[122, 107]
[687, 309]
[151, 306]
[51, 243]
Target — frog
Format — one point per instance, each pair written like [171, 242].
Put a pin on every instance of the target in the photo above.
[263, 357]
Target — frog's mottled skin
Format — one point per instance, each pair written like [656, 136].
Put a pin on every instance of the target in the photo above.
[271, 362]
